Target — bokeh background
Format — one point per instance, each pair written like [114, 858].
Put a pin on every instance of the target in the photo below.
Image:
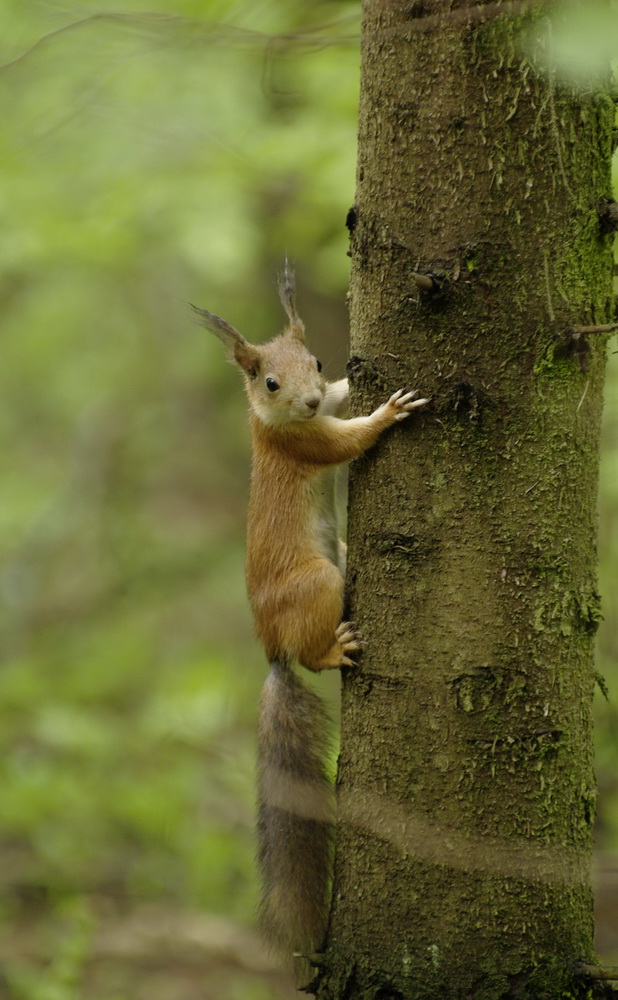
[155, 154]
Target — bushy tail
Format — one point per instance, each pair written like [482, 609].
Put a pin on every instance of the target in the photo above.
[296, 814]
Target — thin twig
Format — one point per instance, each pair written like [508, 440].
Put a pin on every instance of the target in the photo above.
[584, 331]
[598, 972]
[316, 39]
[72, 25]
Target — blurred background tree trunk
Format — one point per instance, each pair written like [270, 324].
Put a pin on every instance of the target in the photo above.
[466, 784]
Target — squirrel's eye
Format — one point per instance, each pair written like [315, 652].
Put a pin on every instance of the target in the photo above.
[319, 364]
[271, 385]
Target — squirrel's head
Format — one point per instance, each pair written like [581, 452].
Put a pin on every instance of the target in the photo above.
[283, 379]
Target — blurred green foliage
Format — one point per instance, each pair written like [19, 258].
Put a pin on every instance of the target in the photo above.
[149, 158]
[165, 154]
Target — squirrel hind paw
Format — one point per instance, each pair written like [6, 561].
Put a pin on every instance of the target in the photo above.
[350, 641]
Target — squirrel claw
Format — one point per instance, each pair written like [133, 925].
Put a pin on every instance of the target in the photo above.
[403, 402]
[350, 641]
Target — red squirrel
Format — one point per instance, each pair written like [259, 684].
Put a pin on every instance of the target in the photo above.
[294, 570]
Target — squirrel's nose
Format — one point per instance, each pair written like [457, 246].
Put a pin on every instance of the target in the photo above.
[313, 402]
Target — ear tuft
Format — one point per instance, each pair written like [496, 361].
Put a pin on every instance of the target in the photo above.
[243, 353]
[287, 294]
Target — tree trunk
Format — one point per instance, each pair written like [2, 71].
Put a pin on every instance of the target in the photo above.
[466, 786]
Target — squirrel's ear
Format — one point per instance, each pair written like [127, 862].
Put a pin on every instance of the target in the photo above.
[243, 353]
[287, 294]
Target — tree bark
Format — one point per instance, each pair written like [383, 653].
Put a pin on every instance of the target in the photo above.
[465, 784]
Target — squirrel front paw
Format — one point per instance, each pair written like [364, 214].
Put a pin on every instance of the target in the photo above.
[398, 407]
[403, 402]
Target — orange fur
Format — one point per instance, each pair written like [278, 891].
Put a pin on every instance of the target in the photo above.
[296, 591]
[295, 586]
